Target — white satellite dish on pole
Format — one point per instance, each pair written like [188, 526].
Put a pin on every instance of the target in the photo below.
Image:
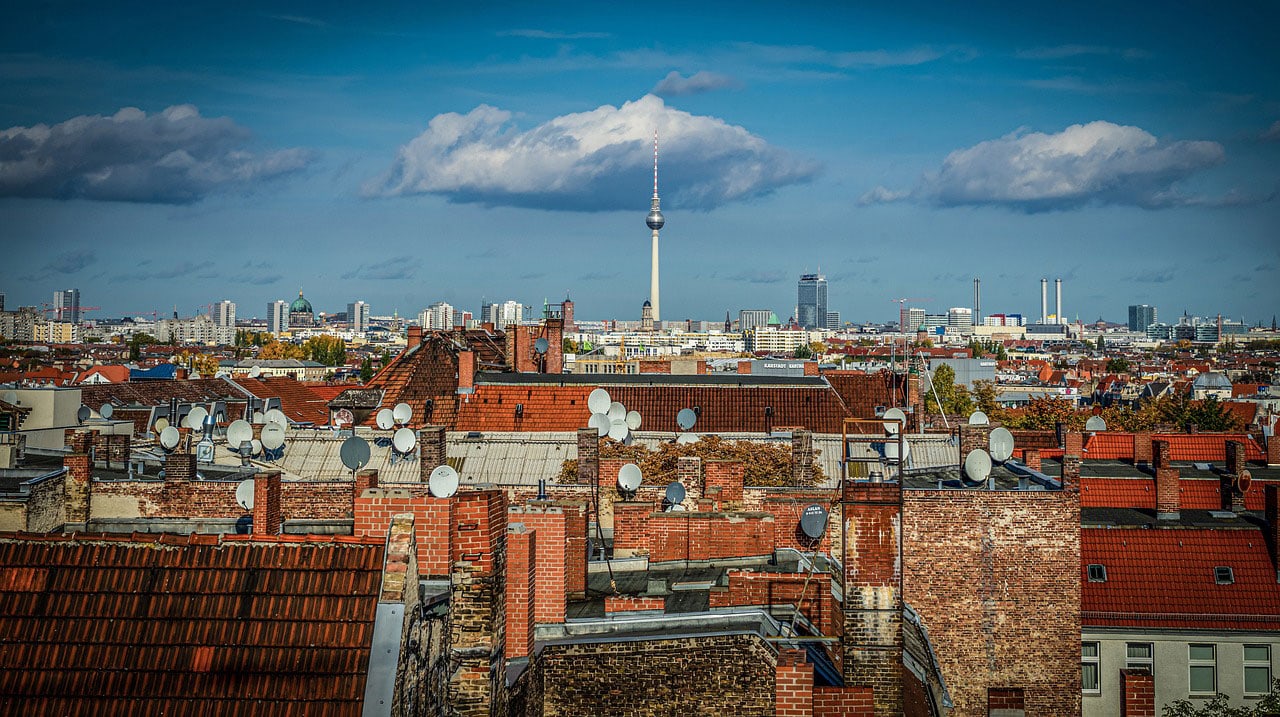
[255, 371]
[977, 465]
[616, 411]
[272, 436]
[107, 410]
[599, 401]
[238, 432]
[277, 417]
[891, 425]
[244, 494]
[618, 429]
[443, 481]
[978, 418]
[354, 453]
[402, 413]
[169, 438]
[1095, 424]
[687, 438]
[385, 419]
[633, 420]
[404, 440]
[600, 422]
[1001, 441]
[891, 450]
[686, 418]
[195, 419]
[629, 478]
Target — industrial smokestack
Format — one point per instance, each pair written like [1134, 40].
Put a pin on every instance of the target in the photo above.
[1044, 301]
[1057, 301]
[977, 301]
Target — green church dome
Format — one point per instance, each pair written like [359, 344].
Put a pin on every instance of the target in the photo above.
[300, 304]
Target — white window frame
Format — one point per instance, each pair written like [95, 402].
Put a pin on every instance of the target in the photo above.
[1193, 663]
[1141, 663]
[1257, 665]
[1096, 661]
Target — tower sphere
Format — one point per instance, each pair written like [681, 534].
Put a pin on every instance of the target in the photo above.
[655, 220]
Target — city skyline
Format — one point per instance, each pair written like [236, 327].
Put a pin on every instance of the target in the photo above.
[405, 156]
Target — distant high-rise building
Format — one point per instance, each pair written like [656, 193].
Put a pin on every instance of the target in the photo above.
[1141, 316]
[439, 316]
[67, 305]
[224, 313]
[278, 317]
[655, 221]
[915, 317]
[960, 318]
[811, 301]
[358, 316]
[646, 316]
[502, 315]
[833, 321]
[1, 301]
[750, 318]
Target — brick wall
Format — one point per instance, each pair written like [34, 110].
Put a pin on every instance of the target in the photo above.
[705, 536]
[793, 685]
[786, 510]
[724, 481]
[375, 507]
[1005, 698]
[551, 523]
[633, 603]
[815, 601]
[521, 587]
[45, 507]
[477, 608]
[729, 674]
[843, 702]
[872, 514]
[1137, 694]
[996, 576]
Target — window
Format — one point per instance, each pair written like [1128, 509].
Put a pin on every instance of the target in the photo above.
[1091, 668]
[1223, 575]
[1097, 573]
[1140, 656]
[1257, 669]
[1203, 664]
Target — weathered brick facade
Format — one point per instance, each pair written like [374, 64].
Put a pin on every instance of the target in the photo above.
[1138, 694]
[872, 514]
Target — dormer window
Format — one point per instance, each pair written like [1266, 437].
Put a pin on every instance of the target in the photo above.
[1097, 573]
[1223, 575]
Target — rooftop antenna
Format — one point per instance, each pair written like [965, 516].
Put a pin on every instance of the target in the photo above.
[354, 454]
[674, 496]
[1001, 443]
[244, 494]
[443, 482]
[977, 467]
[629, 479]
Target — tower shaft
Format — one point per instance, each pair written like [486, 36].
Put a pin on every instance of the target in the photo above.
[653, 278]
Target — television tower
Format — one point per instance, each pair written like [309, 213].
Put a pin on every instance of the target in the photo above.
[655, 222]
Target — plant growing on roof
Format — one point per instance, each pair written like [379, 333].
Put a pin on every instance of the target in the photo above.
[764, 464]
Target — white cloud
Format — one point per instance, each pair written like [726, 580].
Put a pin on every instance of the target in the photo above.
[675, 84]
[588, 161]
[173, 157]
[1094, 163]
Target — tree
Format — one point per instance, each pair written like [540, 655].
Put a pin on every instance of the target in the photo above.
[281, 350]
[1220, 706]
[1118, 365]
[366, 370]
[205, 364]
[803, 352]
[984, 396]
[950, 398]
[1045, 412]
[328, 350]
[136, 342]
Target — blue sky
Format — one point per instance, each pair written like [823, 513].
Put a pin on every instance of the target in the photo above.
[155, 157]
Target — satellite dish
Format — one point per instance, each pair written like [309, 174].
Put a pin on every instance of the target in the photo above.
[195, 419]
[891, 450]
[978, 418]
[675, 493]
[385, 419]
[404, 440]
[617, 411]
[443, 482]
[1095, 424]
[255, 372]
[277, 417]
[618, 429]
[686, 418]
[354, 453]
[169, 438]
[1243, 481]
[258, 418]
[629, 478]
[813, 521]
[107, 410]
[541, 346]
[402, 413]
[256, 446]
[10, 397]
[633, 420]
[238, 432]
[161, 424]
[687, 438]
[83, 413]
[600, 422]
[977, 465]
[344, 417]
[244, 494]
[599, 401]
[272, 436]
[1001, 442]
[890, 425]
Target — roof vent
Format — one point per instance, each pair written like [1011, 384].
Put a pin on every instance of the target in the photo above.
[1097, 573]
[1223, 575]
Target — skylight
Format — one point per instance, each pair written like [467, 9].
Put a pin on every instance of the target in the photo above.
[1223, 575]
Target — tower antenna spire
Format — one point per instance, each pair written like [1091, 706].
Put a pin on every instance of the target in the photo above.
[655, 164]
[655, 221]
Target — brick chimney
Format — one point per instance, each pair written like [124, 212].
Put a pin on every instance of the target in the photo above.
[1031, 457]
[872, 641]
[466, 371]
[266, 503]
[1167, 488]
[973, 437]
[1072, 457]
[179, 466]
[521, 589]
[414, 337]
[554, 360]
[77, 487]
[1271, 513]
[1235, 457]
[1142, 448]
[432, 450]
[588, 456]
[365, 479]
[1273, 449]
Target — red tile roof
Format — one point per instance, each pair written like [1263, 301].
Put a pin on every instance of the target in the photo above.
[297, 400]
[328, 392]
[1165, 578]
[1140, 493]
[1183, 447]
[112, 373]
[863, 392]
[97, 624]
[158, 393]
[546, 408]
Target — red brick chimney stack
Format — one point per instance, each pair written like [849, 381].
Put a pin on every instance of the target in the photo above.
[414, 337]
[267, 519]
[1167, 488]
[466, 371]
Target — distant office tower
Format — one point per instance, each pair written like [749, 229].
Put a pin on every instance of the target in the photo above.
[437, 317]
[811, 301]
[915, 317]
[566, 314]
[278, 317]
[462, 318]
[504, 314]
[833, 321]
[1141, 316]
[960, 317]
[750, 318]
[1, 301]
[224, 313]
[358, 316]
[67, 305]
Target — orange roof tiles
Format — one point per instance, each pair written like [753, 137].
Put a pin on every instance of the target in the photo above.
[156, 624]
[1140, 493]
[863, 392]
[1183, 447]
[1165, 578]
[299, 403]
